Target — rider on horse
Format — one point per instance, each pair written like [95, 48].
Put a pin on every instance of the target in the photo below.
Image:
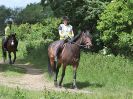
[66, 34]
[65, 29]
[8, 31]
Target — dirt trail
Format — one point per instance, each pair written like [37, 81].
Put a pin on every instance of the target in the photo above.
[33, 79]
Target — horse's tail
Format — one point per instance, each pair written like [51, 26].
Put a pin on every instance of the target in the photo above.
[3, 50]
[49, 67]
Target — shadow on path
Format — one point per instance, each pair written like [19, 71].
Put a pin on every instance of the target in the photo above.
[82, 85]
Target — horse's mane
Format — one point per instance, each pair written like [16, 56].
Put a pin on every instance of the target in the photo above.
[12, 35]
[77, 37]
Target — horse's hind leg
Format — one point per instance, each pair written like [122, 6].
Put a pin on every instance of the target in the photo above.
[56, 74]
[52, 67]
[74, 86]
[14, 57]
[9, 55]
[63, 74]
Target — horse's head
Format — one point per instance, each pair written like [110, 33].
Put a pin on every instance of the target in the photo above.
[86, 39]
[12, 39]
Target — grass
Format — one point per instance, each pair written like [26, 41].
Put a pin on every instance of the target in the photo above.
[96, 72]
[9, 93]
[11, 70]
[108, 77]
[102, 73]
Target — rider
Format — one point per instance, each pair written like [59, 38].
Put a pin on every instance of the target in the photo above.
[65, 29]
[66, 34]
[8, 31]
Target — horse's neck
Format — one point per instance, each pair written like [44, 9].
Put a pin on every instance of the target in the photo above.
[79, 40]
[77, 44]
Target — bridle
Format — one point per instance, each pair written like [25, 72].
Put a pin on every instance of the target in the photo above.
[80, 45]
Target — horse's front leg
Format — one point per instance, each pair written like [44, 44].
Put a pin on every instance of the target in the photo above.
[63, 74]
[14, 57]
[9, 55]
[74, 86]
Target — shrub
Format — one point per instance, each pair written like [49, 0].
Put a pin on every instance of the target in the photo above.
[22, 31]
[51, 28]
[115, 26]
[36, 35]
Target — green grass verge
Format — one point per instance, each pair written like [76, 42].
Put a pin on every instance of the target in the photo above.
[9, 93]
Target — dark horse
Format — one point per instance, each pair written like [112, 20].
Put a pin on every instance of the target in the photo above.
[69, 54]
[11, 48]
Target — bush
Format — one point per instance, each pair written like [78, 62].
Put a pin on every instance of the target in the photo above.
[115, 26]
[22, 31]
[83, 13]
[51, 28]
[36, 35]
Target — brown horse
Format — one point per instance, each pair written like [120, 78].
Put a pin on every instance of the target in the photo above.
[69, 54]
[11, 48]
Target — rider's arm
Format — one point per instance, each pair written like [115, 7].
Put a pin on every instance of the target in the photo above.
[60, 32]
[71, 34]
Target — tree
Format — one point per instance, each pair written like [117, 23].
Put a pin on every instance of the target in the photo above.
[115, 26]
[15, 13]
[32, 14]
[4, 13]
[83, 13]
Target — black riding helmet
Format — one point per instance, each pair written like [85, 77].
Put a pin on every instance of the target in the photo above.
[65, 18]
[9, 21]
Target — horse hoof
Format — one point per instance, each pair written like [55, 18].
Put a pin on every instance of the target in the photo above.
[55, 84]
[74, 87]
[60, 86]
[10, 63]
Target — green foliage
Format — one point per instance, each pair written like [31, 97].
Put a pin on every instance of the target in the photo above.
[82, 13]
[51, 28]
[48, 29]
[10, 93]
[32, 14]
[36, 35]
[115, 25]
[19, 94]
[22, 31]
[4, 13]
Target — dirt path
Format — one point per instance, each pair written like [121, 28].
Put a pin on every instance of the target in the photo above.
[33, 79]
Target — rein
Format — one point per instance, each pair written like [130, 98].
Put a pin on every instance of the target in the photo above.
[80, 45]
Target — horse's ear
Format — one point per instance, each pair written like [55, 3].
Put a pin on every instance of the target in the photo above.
[83, 33]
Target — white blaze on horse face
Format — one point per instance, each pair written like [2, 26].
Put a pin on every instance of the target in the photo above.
[12, 43]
